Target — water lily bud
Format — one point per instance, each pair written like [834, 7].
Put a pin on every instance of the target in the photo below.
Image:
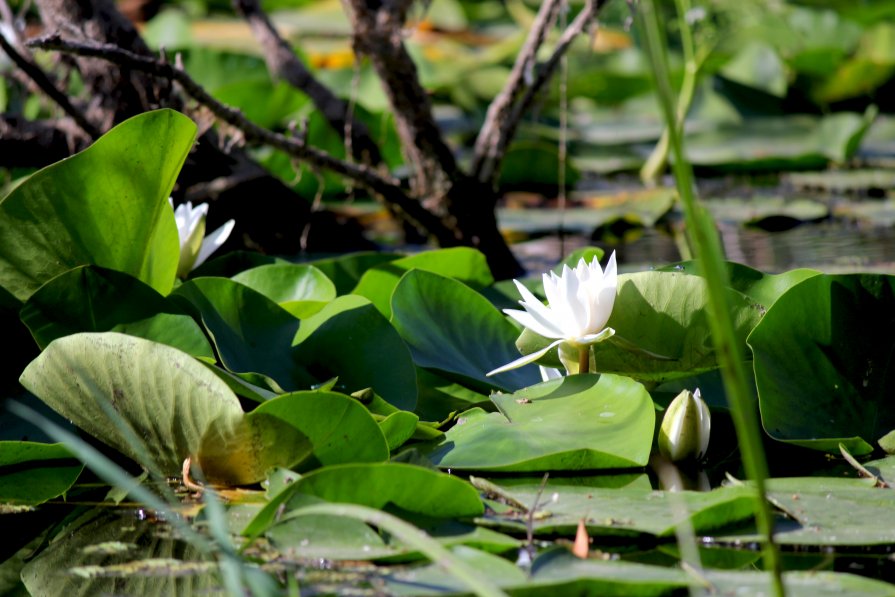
[685, 428]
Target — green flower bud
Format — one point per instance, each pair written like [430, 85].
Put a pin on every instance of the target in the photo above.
[685, 429]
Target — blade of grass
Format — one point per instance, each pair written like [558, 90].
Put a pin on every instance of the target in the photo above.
[410, 535]
[707, 249]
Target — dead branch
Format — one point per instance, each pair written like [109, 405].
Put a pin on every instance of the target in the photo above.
[378, 34]
[500, 127]
[283, 63]
[43, 82]
[37, 143]
[386, 188]
[499, 110]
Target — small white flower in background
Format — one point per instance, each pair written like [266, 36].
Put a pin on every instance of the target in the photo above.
[686, 427]
[195, 247]
[579, 301]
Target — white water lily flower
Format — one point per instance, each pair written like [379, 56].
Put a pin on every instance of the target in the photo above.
[579, 301]
[686, 427]
[195, 247]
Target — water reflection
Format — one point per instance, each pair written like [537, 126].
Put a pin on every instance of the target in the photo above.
[833, 247]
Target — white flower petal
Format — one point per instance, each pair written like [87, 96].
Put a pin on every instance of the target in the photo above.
[531, 321]
[548, 373]
[534, 306]
[524, 360]
[603, 334]
[213, 242]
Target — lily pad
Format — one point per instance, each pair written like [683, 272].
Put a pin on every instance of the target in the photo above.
[578, 422]
[300, 289]
[761, 287]
[339, 427]
[179, 331]
[622, 511]
[772, 213]
[105, 206]
[252, 334]
[451, 328]
[822, 357]
[118, 388]
[89, 299]
[410, 488]
[32, 473]
[346, 271]
[351, 340]
[461, 263]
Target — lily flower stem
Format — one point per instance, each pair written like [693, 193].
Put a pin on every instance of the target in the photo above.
[583, 359]
[707, 249]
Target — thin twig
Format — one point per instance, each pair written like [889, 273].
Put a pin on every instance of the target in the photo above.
[500, 107]
[43, 82]
[505, 130]
[386, 188]
[283, 63]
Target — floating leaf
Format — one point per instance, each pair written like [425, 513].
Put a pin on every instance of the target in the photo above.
[578, 422]
[411, 488]
[89, 299]
[167, 397]
[451, 328]
[339, 427]
[822, 359]
[616, 511]
[300, 289]
[179, 331]
[351, 340]
[346, 271]
[461, 263]
[32, 473]
[105, 206]
[252, 334]
[109, 552]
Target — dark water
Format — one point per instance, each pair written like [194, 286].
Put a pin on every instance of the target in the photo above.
[832, 247]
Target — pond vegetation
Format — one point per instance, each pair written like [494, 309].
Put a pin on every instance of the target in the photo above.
[389, 422]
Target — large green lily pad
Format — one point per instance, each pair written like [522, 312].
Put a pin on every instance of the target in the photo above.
[410, 488]
[615, 511]
[252, 333]
[89, 299]
[578, 422]
[350, 339]
[452, 328]
[340, 429]
[461, 263]
[126, 391]
[823, 356]
[300, 289]
[105, 206]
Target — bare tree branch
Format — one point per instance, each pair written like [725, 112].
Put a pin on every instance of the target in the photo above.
[386, 188]
[283, 63]
[43, 82]
[490, 153]
[37, 143]
[499, 110]
[378, 29]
